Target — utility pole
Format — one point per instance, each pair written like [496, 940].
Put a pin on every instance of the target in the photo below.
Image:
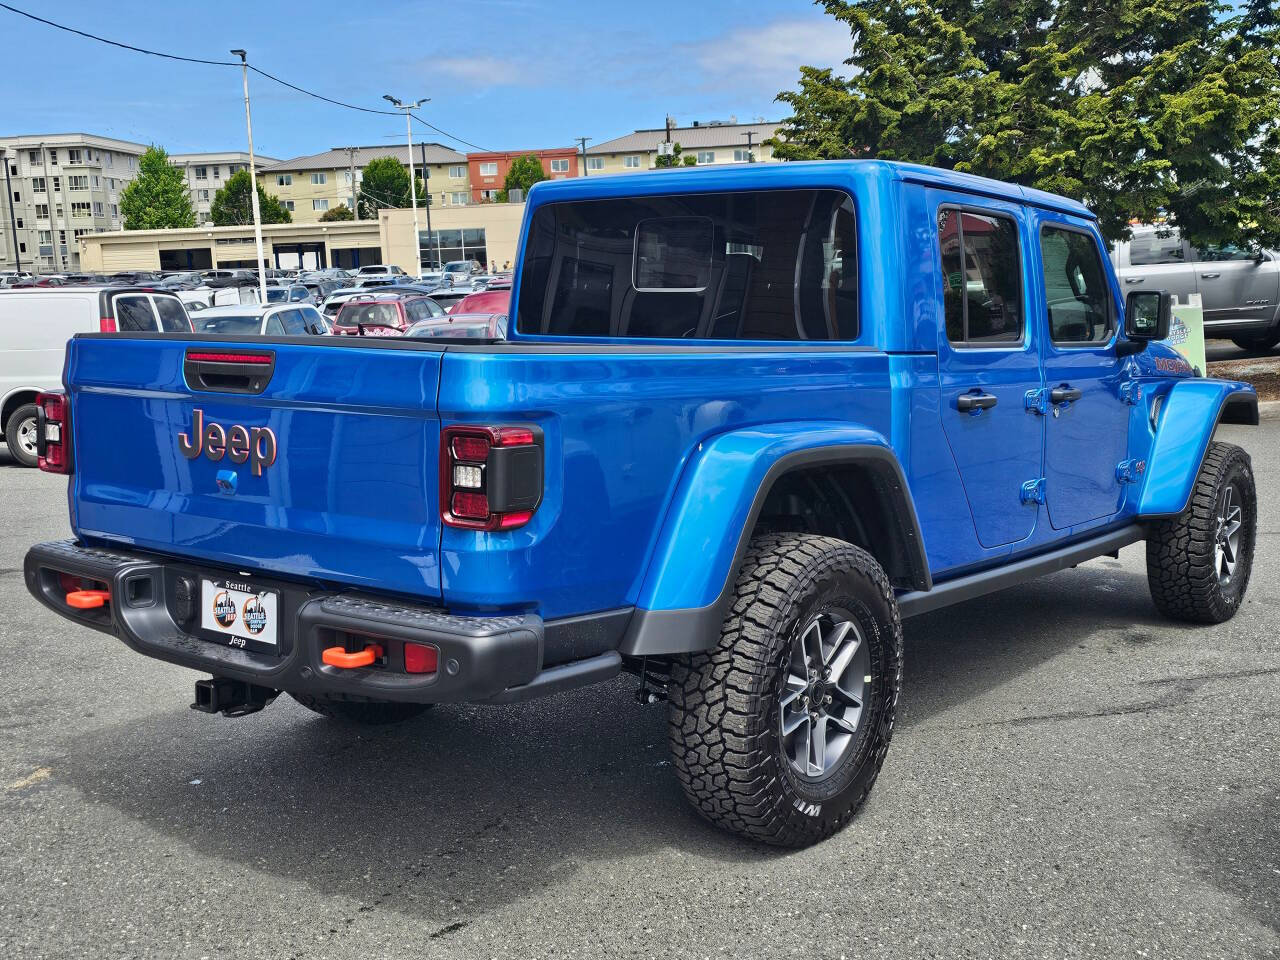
[583, 141]
[13, 217]
[413, 189]
[253, 178]
[426, 182]
[751, 157]
[351, 172]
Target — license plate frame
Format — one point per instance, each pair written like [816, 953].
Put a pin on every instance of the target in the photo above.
[238, 613]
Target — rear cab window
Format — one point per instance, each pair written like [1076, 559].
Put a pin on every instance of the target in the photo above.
[778, 265]
[982, 278]
[134, 313]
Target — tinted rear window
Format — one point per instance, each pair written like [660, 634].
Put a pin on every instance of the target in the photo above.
[238, 324]
[384, 314]
[134, 314]
[759, 265]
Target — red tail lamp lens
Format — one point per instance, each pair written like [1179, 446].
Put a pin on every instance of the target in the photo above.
[106, 325]
[470, 506]
[474, 449]
[420, 658]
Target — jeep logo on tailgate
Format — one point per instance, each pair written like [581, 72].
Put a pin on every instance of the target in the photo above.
[257, 445]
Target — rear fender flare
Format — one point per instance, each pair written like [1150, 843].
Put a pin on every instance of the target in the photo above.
[689, 581]
[1188, 418]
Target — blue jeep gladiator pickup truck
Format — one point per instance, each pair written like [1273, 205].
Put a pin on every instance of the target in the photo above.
[746, 421]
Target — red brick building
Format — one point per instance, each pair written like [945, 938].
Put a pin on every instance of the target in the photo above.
[488, 171]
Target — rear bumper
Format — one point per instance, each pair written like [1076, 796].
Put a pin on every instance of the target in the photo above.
[481, 658]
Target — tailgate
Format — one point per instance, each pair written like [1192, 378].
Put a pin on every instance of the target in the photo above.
[323, 460]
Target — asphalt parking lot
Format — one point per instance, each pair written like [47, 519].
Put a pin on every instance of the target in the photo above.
[1071, 777]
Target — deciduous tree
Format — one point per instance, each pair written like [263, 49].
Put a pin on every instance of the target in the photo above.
[233, 205]
[385, 183]
[158, 198]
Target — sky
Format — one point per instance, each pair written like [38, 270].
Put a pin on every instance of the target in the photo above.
[502, 74]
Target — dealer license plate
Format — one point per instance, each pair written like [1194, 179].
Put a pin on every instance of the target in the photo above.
[239, 613]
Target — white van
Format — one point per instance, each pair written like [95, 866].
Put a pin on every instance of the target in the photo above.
[35, 325]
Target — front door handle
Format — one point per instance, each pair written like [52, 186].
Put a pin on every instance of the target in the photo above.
[1210, 276]
[1134, 279]
[974, 403]
[1065, 394]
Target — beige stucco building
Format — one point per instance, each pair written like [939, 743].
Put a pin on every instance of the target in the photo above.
[207, 173]
[488, 232]
[708, 143]
[311, 185]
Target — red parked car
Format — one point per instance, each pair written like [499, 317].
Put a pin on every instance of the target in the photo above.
[379, 313]
[491, 301]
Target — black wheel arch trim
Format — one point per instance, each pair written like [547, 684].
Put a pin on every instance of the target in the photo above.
[665, 632]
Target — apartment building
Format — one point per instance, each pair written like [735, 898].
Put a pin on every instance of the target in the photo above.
[710, 142]
[308, 186]
[59, 187]
[207, 173]
[488, 171]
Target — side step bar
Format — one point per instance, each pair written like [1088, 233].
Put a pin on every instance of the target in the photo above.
[943, 594]
[566, 676]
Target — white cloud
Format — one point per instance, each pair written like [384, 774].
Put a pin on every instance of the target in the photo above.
[485, 70]
[768, 57]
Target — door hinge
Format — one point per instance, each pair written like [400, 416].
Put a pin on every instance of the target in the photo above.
[1037, 401]
[1131, 392]
[1128, 471]
[1033, 491]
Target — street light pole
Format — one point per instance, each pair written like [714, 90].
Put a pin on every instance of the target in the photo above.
[351, 175]
[253, 179]
[426, 182]
[413, 189]
[583, 141]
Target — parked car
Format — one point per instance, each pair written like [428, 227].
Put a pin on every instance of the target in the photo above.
[335, 301]
[35, 325]
[462, 326]
[496, 301]
[228, 296]
[320, 288]
[380, 270]
[744, 424]
[1239, 288]
[463, 270]
[290, 293]
[229, 278]
[384, 311]
[284, 319]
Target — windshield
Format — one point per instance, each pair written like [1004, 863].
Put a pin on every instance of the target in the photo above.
[277, 295]
[239, 323]
[457, 266]
[382, 314]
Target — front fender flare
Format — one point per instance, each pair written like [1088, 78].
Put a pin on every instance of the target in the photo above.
[688, 585]
[1187, 421]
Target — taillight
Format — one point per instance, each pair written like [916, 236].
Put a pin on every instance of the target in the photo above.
[490, 477]
[106, 325]
[53, 433]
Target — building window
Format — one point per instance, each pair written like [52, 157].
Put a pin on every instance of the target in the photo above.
[22, 248]
[80, 210]
[37, 184]
[742, 156]
[96, 182]
[13, 169]
[77, 183]
[45, 237]
[320, 204]
[33, 158]
[288, 205]
[706, 156]
[217, 173]
[53, 157]
[442, 246]
[489, 169]
[458, 199]
[595, 163]
[318, 179]
[73, 156]
[458, 172]
[19, 223]
[203, 194]
[560, 165]
[57, 184]
[57, 210]
[489, 194]
[202, 173]
[97, 208]
[42, 211]
[81, 232]
[115, 210]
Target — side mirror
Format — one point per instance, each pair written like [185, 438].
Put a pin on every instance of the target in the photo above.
[1147, 315]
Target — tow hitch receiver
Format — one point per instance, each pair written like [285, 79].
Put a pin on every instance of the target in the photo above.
[339, 657]
[88, 599]
[231, 698]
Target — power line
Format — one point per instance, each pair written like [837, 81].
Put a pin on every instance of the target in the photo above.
[231, 63]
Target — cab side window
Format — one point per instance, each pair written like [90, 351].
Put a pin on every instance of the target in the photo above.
[1077, 294]
[1150, 248]
[982, 277]
[274, 326]
[294, 323]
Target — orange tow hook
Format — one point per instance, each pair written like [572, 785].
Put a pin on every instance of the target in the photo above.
[87, 599]
[338, 657]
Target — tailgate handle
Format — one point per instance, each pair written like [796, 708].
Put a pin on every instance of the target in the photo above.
[228, 371]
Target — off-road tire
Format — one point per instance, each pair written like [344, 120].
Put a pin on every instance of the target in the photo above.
[1181, 568]
[373, 713]
[24, 413]
[724, 703]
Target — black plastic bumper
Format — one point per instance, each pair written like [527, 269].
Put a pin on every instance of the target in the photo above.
[480, 658]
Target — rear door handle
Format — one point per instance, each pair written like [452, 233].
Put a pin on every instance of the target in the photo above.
[1065, 394]
[1134, 279]
[1210, 276]
[974, 403]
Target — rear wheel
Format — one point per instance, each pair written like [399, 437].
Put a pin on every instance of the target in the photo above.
[20, 435]
[367, 712]
[1263, 341]
[1198, 564]
[779, 731]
